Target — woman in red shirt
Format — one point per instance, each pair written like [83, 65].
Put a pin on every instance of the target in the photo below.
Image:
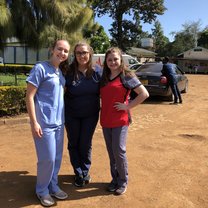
[116, 84]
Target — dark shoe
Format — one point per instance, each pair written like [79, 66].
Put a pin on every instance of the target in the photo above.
[174, 103]
[60, 195]
[121, 190]
[79, 181]
[112, 187]
[87, 179]
[180, 101]
[46, 200]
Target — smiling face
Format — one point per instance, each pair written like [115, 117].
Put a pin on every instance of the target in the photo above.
[82, 54]
[113, 61]
[59, 52]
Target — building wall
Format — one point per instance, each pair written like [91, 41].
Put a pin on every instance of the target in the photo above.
[196, 53]
[24, 55]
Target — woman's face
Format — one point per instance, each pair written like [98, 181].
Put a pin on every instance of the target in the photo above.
[60, 52]
[82, 54]
[113, 61]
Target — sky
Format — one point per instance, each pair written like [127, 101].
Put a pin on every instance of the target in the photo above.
[178, 13]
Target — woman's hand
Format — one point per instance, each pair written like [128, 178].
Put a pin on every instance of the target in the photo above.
[36, 130]
[120, 106]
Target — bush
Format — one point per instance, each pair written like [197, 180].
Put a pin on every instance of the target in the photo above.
[15, 69]
[12, 100]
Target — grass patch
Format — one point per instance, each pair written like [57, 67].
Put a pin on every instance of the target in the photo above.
[12, 79]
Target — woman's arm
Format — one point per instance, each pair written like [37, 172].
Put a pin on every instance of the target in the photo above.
[142, 95]
[35, 127]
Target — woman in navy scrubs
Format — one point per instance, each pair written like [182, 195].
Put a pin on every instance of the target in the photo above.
[45, 105]
[82, 105]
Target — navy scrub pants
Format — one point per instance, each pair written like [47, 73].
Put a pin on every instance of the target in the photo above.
[80, 132]
[115, 139]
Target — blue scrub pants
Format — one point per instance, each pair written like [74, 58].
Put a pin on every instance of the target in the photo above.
[49, 151]
[80, 132]
[115, 139]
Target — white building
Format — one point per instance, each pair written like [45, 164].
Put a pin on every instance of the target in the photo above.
[194, 60]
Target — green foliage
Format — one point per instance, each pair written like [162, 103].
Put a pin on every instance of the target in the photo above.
[203, 40]
[12, 79]
[99, 40]
[12, 100]
[160, 41]
[145, 10]
[38, 23]
[14, 75]
[14, 68]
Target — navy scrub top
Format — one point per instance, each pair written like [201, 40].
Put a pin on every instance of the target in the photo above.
[82, 97]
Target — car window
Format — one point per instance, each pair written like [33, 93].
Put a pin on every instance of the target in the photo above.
[135, 66]
[150, 68]
[178, 70]
[132, 61]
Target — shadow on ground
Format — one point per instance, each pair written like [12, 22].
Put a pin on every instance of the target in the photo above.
[18, 189]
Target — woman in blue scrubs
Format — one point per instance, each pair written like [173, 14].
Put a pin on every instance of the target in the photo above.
[45, 105]
[82, 105]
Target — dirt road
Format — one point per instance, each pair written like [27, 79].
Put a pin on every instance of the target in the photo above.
[167, 155]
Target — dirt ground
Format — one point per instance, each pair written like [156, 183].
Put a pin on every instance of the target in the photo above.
[167, 153]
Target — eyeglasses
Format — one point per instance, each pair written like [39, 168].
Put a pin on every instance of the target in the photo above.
[81, 53]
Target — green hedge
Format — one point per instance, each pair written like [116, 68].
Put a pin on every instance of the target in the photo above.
[12, 100]
[15, 69]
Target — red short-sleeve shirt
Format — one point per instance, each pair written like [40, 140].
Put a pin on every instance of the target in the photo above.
[113, 92]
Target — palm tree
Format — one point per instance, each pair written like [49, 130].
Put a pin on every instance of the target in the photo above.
[38, 22]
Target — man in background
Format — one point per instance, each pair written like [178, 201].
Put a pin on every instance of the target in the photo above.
[169, 71]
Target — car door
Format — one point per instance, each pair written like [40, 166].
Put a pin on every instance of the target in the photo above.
[180, 78]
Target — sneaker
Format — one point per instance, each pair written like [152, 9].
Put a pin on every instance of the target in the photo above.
[112, 187]
[87, 179]
[79, 181]
[60, 195]
[121, 190]
[46, 200]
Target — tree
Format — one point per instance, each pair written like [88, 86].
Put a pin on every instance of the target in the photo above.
[183, 42]
[38, 22]
[131, 34]
[160, 41]
[203, 40]
[97, 37]
[184, 39]
[144, 10]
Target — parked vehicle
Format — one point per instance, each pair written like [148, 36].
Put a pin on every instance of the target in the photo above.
[151, 77]
[134, 67]
[98, 59]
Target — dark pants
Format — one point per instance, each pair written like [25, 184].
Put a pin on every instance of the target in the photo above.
[176, 92]
[115, 139]
[80, 132]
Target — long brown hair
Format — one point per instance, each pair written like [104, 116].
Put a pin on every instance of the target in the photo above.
[73, 68]
[106, 70]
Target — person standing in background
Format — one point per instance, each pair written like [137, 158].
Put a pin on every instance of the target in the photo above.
[116, 84]
[82, 106]
[168, 70]
[45, 106]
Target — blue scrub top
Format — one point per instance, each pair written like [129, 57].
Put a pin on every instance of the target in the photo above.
[49, 98]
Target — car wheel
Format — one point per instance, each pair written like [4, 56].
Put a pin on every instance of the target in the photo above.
[185, 90]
